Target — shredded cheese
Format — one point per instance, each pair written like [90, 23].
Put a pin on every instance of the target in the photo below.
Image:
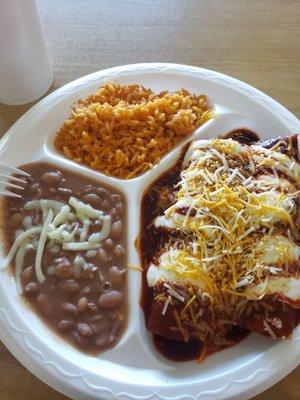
[40, 249]
[58, 230]
[36, 204]
[238, 235]
[76, 246]
[19, 240]
[84, 210]
[85, 230]
[98, 237]
[19, 265]
[61, 216]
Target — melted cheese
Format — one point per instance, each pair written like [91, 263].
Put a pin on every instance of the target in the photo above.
[277, 250]
[289, 287]
[266, 182]
[274, 159]
[179, 266]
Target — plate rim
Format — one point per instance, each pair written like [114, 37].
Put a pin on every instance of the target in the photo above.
[250, 388]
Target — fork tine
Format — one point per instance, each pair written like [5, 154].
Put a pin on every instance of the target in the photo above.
[14, 169]
[12, 185]
[12, 178]
[9, 194]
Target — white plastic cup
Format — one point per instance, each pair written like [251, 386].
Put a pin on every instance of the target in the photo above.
[25, 70]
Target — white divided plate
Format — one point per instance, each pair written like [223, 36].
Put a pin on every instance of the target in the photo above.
[133, 369]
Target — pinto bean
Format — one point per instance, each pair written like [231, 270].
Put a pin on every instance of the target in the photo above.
[64, 270]
[116, 277]
[115, 214]
[103, 193]
[94, 327]
[113, 316]
[92, 307]
[45, 304]
[110, 299]
[34, 187]
[84, 329]
[16, 219]
[96, 318]
[87, 271]
[27, 273]
[64, 192]
[108, 244]
[69, 308]
[86, 290]
[115, 328]
[115, 198]
[105, 205]
[102, 256]
[119, 251]
[88, 189]
[120, 208]
[38, 194]
[82, 304]
[69, 286]
[81, 341]
[31, 288]
[65, 325]
[92, 199]
[52, 178]
[116, 229]
[102, 339]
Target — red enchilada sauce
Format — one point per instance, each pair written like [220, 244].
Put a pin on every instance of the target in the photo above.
[241, 135]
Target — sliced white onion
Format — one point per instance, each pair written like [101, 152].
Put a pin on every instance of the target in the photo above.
[42, 242]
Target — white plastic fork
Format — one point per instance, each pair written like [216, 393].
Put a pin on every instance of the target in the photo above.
[8, 181]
